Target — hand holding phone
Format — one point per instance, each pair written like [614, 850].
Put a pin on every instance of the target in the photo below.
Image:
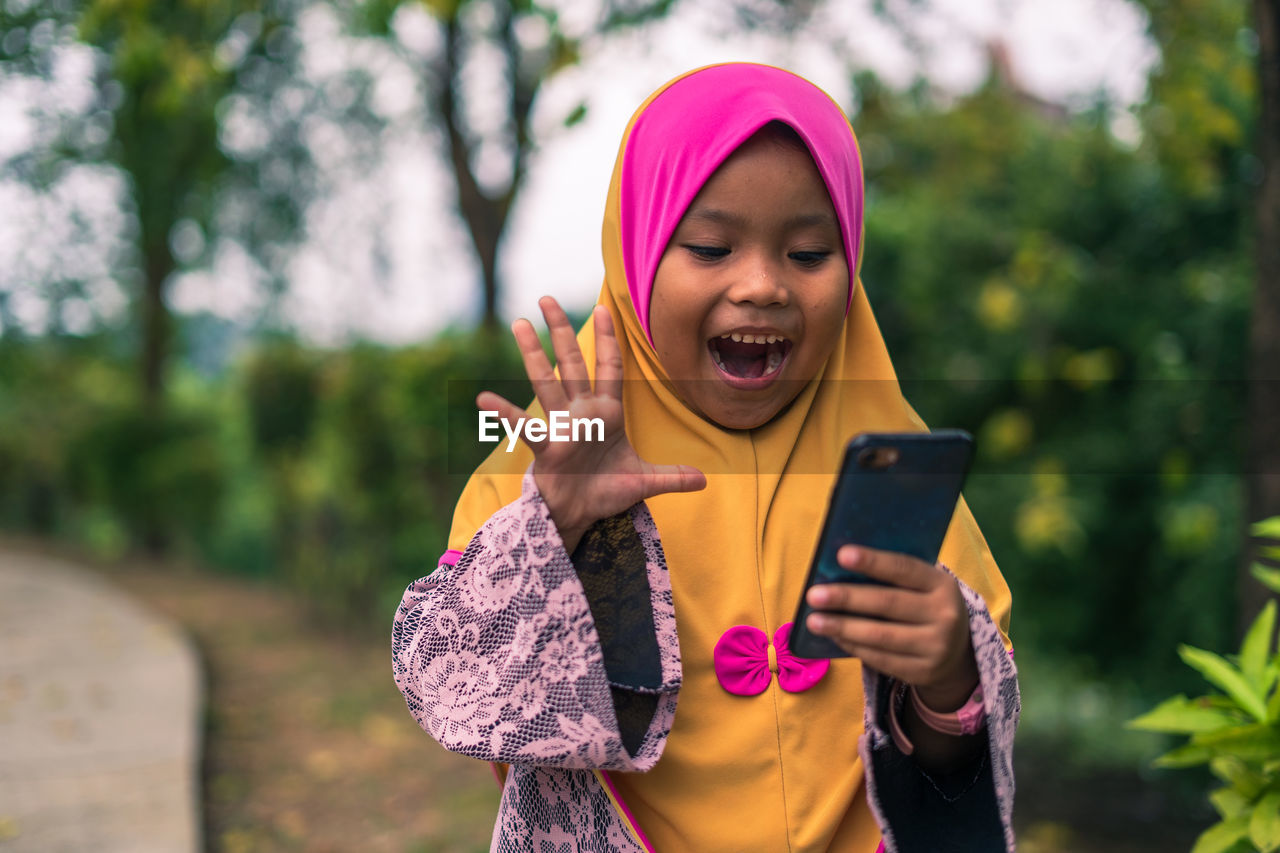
[896, 492]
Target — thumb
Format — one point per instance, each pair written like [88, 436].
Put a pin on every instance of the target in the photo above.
[662, 479]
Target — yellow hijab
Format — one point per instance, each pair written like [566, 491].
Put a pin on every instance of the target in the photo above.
[778, 770]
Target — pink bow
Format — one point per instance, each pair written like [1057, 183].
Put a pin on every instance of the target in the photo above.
[744, 659]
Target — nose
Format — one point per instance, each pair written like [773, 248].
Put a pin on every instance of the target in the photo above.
[759, 281]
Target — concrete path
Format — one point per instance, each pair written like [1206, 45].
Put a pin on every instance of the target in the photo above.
[100, 717]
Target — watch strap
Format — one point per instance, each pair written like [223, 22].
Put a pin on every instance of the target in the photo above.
[968, 719]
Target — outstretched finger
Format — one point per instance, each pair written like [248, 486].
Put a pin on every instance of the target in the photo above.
[608, 355]
[661, 479]
[488, 401]
[573, 367]
[538, 368]
[508, 413]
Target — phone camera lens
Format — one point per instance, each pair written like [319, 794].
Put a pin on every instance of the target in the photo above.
[878, 458]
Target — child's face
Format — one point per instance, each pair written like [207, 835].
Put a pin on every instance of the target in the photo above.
[758, 255]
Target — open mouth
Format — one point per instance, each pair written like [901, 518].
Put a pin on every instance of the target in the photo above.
[749, 356]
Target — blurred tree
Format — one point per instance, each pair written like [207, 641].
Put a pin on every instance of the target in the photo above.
[168, 79]
[1215, 112]
[487, 138]
[528, 42]
[162, 55]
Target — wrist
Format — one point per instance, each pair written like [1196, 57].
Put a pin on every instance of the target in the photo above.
[571, 533]
[570, 527]
[946, 697]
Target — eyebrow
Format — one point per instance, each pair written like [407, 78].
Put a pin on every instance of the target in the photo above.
[717, 216]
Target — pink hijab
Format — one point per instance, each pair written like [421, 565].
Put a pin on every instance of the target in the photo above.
[689, 129]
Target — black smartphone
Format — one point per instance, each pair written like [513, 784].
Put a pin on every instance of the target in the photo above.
[895, 492]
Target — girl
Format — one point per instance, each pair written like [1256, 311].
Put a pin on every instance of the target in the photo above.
[593, 586]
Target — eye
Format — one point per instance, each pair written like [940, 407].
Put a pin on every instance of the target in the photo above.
[707, 253]
[809, 259]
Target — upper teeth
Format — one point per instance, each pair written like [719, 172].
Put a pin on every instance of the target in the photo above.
[753, 339]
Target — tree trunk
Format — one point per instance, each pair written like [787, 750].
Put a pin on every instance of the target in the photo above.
[480, 214]
[155, 326]
[1263, 464]
[489, 269]
[484, 213]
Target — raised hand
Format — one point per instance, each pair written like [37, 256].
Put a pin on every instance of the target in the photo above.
[586, 480]
[916, 630]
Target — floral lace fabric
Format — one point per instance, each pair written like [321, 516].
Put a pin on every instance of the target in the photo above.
[547, 810]
[500, 657]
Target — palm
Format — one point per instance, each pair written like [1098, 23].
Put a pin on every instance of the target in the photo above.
[586, 480]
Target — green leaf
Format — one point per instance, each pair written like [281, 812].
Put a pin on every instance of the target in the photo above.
[1181, 715]
[1271, 552]
[565, 51]
[1229, 802]
[1256, 648]
[1222, 674]
[1268, 527]
[1219, 837]
[1269, 681]
[1238, 775]
[576, 115]
[1264, 823]
[1269, 577]
[1187, 755]
[445, 10]
[1254, 742]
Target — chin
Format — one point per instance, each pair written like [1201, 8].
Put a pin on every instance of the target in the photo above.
[735, 410]
[743, 416]
[740, 423]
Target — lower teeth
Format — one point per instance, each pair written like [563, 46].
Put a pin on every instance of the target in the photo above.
[773, 361]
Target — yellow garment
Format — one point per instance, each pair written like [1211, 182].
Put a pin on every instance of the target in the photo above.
[776, 771]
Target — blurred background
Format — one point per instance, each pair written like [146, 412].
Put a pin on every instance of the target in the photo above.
[248, 249]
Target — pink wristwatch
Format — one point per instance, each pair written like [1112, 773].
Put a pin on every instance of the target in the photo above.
[967, 720]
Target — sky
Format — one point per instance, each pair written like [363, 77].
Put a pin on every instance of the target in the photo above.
[386, 259]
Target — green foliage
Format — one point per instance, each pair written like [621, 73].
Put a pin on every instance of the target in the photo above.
[1200, 116]
[357, 458]
[159, 474]
[1236, 733]
[48, 395]
[336, 472]
[79, 458]
[281, 388]
[1069, 299]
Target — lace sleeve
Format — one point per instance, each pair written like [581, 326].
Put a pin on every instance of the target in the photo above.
[499, 656]
[972, 808]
